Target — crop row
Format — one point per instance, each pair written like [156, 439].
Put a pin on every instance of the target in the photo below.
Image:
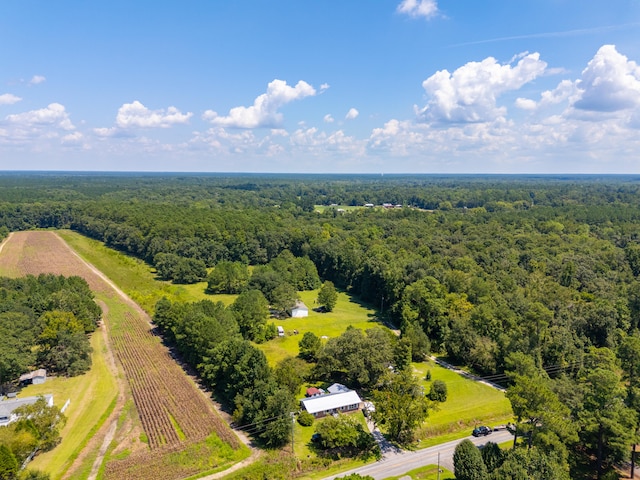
[162, 391]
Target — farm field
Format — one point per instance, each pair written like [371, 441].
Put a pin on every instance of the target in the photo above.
[179, 424]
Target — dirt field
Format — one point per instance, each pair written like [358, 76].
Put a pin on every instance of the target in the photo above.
[173, 412]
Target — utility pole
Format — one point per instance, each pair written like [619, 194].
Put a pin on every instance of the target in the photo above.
[293, 427]
[438, 465]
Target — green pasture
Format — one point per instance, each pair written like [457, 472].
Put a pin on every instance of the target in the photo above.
[428, 472]
[92, 397]
[469, 403]
[348, 311]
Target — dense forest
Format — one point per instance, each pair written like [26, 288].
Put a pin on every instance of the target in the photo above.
[531, 281]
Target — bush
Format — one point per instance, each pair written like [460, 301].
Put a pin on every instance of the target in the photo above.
[428, 376]
[305, 419]
[438, 392]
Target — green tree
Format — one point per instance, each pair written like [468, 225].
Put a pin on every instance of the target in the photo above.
[251, 310]
[608, 426]
[8, 464]
[345, 433]
[530, 464]
[309, 346]
[290, 373]
[328, 296]
[420, 345]
[43, 421]
[64, 346]
[467, 462]
[357, 358]
[536, 406]
[629, 353]
[492, 456]
[401, 405]
[228, 277]
[438, 391]
[283, 298]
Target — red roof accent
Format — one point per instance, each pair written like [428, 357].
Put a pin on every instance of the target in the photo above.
[311, 391]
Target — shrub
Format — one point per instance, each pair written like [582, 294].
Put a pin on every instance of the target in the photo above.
[438, 392]
[305, 419]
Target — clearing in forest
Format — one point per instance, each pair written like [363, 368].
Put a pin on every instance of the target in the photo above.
[182, 433]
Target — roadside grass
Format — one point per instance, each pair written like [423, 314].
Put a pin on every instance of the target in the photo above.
[92, 397]
[428, 472]
[469, 403]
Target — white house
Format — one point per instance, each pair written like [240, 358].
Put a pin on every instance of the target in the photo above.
[300, 310]
[341, 402]
[7, 407]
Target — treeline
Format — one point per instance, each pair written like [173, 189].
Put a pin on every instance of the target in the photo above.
[44, 322]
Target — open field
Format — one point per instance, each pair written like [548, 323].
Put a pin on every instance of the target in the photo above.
[181, 427]
[469, 403]
[348, 311]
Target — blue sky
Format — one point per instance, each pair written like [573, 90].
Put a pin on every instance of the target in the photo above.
[392, 86]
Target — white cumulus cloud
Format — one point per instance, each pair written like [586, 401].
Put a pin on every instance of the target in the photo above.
[136, 115]
[53, 115]
[351, 114]
[470, 93]
[419, 8]
[264, 111]
[609, 83]
[328, 118]
[9, 99]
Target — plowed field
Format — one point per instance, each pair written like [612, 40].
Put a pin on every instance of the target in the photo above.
[173, 412]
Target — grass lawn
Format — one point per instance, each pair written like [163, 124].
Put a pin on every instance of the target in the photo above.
[91, 398]
[468, 404]
[429, 472]
[348, 311]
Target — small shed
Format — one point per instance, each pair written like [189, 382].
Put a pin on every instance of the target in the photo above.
[36, 377]
[299, 310]
[314, 392]
[280, 331]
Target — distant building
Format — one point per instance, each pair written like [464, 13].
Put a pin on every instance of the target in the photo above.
[299, 310]
[369, 205]
[36, 377]
[341, 402]
[7, 407]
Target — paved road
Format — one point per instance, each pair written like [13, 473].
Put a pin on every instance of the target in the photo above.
[397, 463]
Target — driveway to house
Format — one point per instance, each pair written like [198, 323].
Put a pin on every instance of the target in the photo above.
[396, 463]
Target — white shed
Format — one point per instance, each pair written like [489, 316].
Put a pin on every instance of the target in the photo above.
[300, 310]
[280, 331]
